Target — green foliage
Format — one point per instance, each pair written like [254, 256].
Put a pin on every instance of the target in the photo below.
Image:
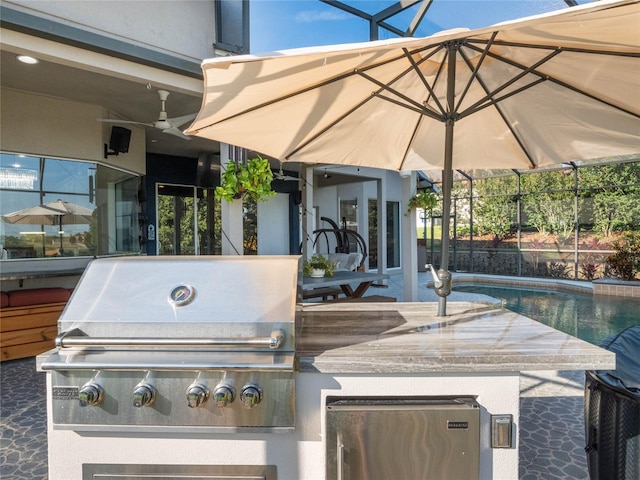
[611, 194]
[465, 230]
[319, 262]
[558, 270]
[625, 263]
[549, 208]
[494, 216]
[250, 181]
[424, 199]
[494, 211]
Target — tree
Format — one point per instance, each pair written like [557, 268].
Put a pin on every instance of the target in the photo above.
[549, 201]
[495, 206]
[613, 194]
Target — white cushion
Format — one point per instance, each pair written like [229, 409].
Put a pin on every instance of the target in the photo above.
[345, 262]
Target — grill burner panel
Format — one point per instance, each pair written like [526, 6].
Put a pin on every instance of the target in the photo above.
[170, 410]
[177, 344]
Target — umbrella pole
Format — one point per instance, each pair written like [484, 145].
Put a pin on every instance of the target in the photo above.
[447, 176]
[60, 234]
[447, 180]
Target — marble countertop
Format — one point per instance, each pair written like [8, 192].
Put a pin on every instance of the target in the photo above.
[347, 338]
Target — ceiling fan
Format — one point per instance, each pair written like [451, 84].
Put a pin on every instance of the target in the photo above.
[281, 176]
[167, 125]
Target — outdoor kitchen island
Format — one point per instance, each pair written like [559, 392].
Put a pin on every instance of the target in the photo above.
[196, 377]
[404, 350]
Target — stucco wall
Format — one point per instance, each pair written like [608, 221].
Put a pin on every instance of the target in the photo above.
[184, 28]
[52, 127]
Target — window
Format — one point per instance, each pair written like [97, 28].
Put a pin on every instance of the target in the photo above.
[68, 208]
[393, 234]
[181, 209]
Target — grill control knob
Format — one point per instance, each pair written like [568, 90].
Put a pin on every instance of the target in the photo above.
[143, 395]
[197, 394]
[251, 395]
[224, 395]
[90, 394]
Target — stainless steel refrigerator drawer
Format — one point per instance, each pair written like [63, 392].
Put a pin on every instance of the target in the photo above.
[402, 438]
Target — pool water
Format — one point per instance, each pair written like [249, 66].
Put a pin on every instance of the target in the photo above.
[589, 317]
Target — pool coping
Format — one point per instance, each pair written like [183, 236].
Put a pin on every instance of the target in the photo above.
[566, 285]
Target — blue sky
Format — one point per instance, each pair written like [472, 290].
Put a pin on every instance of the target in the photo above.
[282, 24]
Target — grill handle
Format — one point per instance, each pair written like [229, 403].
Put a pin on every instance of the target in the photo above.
[75, 338]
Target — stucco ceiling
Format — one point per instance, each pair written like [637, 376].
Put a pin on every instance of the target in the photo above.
[125, 99]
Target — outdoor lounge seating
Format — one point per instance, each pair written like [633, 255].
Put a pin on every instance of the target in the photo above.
[344, 262]
[29, 320]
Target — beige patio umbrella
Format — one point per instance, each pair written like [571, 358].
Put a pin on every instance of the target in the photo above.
[58, 212]
[538, 91]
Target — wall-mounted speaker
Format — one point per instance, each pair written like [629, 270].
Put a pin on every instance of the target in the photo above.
[120, 138]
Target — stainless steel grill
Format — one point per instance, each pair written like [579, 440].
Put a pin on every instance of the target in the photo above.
[194, 344]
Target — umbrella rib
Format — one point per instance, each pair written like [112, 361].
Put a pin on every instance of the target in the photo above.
[327, 127]
[503, 43]
[558, 81]
[494, 101]
[417, 105]
[423, 79]
[475, 69]
[413, 135]
[421, 111]
[491, 95]
[508, 125]
[319, 85]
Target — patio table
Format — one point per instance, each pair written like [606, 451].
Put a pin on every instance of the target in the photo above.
[344, 280]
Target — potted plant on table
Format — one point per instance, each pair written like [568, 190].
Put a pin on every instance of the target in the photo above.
[318, 266]
[250, 180]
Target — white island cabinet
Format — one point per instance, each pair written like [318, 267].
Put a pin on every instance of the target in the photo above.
[370, 353]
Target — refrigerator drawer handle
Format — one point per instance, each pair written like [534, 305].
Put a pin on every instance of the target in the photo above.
[340, 459]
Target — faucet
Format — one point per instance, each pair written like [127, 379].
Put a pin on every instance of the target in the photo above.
[436, 279]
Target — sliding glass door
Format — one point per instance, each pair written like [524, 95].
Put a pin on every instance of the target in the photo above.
[186, 220]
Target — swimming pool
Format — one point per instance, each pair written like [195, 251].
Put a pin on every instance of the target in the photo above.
[589, 317]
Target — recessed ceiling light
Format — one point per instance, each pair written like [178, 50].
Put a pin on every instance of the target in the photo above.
[27, 59]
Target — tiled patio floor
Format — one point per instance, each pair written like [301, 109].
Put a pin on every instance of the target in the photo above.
[550, 432]
[551, 436]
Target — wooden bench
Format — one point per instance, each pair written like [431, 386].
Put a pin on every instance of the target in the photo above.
[29, 321]
[325, 293]
[368, 299]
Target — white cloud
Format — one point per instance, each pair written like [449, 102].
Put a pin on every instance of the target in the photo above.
[310, 16]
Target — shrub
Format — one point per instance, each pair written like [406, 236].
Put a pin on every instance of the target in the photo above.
[625, 263]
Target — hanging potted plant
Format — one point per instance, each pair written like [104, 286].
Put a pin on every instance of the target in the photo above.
[252, 180]
[318, 266]
[424, 199]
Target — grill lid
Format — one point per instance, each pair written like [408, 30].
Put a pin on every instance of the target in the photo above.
[183, 296]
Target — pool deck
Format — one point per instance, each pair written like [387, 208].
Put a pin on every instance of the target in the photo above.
[550, 434]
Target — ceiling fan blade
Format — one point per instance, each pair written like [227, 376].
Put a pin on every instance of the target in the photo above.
[113, 120]
[177, 121]
[285, 178]
[176, 132]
